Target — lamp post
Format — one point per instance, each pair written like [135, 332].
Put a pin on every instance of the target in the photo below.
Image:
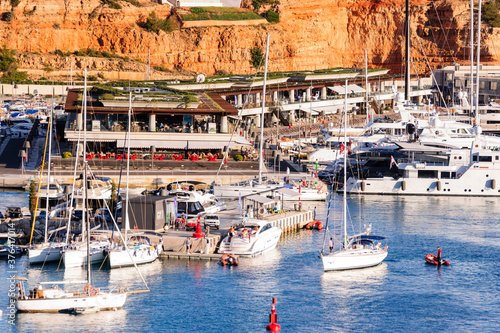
[22, 154]
[153, 151]
[27, 145]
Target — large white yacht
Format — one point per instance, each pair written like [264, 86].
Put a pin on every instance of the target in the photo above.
[472, 172]
[250, 238]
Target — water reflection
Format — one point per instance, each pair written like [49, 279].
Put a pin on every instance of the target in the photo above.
[353, 282]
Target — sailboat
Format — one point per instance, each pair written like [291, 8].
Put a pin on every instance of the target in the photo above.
[77, 254]
[46, 251]
[138, 248]
[55, 299]
[262, 185]
[357, 251]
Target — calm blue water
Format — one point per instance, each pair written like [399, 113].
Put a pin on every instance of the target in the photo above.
[402, 294]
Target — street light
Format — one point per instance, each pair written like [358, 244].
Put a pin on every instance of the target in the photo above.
[22, 154]
[153, 151]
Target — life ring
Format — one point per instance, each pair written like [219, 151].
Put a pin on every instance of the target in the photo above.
[320, 191]
[93, 291]
[459, 175]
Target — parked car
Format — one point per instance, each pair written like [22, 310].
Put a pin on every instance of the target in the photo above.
[212, 221]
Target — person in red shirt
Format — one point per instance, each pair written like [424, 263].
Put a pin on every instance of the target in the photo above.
[439, 256]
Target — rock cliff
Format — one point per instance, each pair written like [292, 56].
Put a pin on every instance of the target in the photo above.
[311, 35]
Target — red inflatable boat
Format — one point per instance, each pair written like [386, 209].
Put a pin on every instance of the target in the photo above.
[432, 259]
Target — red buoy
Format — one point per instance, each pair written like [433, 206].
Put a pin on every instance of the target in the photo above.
[198, 233]
[273, 318]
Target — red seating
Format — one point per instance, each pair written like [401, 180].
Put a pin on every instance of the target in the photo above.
[212, 158]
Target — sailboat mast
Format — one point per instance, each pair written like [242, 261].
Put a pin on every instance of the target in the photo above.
[366, 87]
[261, 141]
[471, 81]
[127, 224]
[345, 166]
[407, 53]
[48, 169]
[84, 180]
[85, 217]
[478, 53]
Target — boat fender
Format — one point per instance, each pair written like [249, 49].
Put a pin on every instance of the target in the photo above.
[363, 186]
[403, 185]
[261, 211]
[493, 184]
[438, 185]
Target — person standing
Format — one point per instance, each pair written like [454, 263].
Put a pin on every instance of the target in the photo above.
[189, 243]
[314, 218]
[439, 256]
[330, 244]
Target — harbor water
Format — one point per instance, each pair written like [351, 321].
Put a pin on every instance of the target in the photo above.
[401, 294]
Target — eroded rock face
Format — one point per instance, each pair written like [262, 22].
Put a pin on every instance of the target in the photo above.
[311, 35]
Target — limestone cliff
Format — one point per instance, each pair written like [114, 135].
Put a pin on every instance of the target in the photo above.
[311, 35]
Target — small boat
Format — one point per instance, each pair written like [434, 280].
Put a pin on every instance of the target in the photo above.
[228, 260]
[318, 225]
[432, 259]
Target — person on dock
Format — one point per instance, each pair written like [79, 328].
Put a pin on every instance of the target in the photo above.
[439, 256]
[330, 245]
[189, 243]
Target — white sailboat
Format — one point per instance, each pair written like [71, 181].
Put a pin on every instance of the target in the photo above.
[55, 299]
[358, 251]
[46, 251]
[77, 254]
[138, 248]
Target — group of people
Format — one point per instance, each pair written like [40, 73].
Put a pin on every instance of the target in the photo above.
[245, 232]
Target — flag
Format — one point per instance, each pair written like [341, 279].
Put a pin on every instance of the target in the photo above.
[239, 202]
[316, 168]
[175, 209]
[393, 163]
[342, 148]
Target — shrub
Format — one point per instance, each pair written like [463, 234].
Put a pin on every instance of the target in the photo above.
[67, 154]
[111, 3]
[57, 25]
[238, 158]
[8, 16]
[155, 24]
[257, 56]
[15, 3]
[107, 97]
[272, 17]
[491, 14]
[7, 59]
[256, 5]
[92, 78]
[14, 76]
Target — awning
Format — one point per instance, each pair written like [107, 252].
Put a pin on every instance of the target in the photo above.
[328, 109]
[288, 192]
[352, 88]
[260, 199]
[170, 144]
[206, 145]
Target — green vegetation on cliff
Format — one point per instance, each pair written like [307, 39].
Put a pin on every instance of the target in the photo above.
[219, 14]
[491, 14]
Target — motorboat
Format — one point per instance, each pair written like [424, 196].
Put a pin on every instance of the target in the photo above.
[433, 260]
[250, 238]
[472, 172]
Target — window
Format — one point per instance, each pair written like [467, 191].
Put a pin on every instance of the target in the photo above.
[427, 174]
[485, 159]
[481, 84]
[449, 76]
[467, 83]
[493, 85]
[445, 175]
[474, 158]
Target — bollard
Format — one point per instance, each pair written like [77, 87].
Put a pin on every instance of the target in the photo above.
[273, 318]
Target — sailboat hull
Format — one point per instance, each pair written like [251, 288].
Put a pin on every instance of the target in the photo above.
[352, 259]
[45, 254]
[141, 255]
[104, 301]
[78, 257]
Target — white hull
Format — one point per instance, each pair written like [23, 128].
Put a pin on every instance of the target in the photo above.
[141, 255]
[251, 246]
[353, 259]
[77, 257]
[45, 253]
[103, 301]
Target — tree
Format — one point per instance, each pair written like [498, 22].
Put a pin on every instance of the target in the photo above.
[257, 56]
